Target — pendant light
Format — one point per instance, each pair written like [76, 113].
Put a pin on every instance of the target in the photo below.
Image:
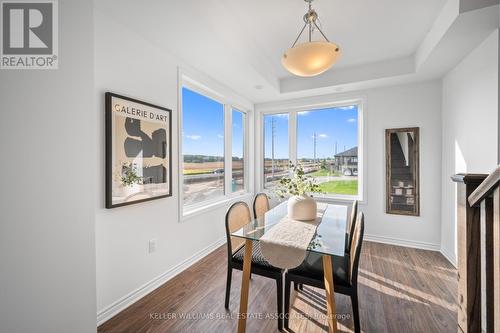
[313, 57]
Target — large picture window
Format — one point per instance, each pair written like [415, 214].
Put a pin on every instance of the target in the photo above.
[327, 148]
[326, 142]
[238, 151]
[213, 149]
[202, 147]
[276, 157]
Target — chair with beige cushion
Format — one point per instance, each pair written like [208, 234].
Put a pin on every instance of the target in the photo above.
[237, 216]
[260, 205]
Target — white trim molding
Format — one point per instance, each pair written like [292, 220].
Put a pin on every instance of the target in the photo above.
[135, 295]
[403, 242]
[449, 256]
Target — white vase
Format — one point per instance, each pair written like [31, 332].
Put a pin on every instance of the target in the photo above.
[302, 208]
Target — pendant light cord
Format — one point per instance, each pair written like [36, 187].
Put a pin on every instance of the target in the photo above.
[310, 22]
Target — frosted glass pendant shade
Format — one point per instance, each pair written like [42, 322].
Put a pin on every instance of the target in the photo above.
[310, 59]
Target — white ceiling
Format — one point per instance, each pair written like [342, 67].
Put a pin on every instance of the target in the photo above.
[367, 30]
[240, 42]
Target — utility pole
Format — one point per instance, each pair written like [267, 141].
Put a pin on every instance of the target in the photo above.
[273, 134]
[314, 143]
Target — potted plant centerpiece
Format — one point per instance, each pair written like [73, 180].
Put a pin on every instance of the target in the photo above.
[297, 187]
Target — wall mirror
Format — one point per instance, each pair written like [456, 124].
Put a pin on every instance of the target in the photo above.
[402, 171]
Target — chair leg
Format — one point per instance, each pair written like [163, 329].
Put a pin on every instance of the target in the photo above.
[355, 312]
[301, 287]
[286, 313]
[295, 286]
[228, 286]
[279, 293]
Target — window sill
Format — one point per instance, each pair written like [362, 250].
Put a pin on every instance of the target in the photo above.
[192, 211]
[339, 198]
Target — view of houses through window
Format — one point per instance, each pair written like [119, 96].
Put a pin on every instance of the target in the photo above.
[326, 147]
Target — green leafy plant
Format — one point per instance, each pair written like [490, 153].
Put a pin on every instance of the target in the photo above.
[129, 174]
[297, 183]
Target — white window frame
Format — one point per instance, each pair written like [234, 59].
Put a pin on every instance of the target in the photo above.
[292, 108]
[229, 103]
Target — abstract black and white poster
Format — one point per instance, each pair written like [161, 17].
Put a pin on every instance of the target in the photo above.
[138, 151]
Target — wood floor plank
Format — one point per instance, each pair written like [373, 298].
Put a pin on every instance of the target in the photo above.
[400, 290]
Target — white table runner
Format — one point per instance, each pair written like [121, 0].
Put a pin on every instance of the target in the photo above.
[285, 245]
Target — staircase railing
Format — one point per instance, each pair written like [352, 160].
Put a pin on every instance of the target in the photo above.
[478, 246]
[486, 197]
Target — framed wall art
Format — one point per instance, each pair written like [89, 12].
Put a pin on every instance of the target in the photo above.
[138, 151]
[402, 171]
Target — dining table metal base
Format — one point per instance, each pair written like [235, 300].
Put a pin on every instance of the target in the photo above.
[245, 286]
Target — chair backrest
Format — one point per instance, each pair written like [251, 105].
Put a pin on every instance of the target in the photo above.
[260, 205]
[351, 224]
[236, 217]
[355, 251]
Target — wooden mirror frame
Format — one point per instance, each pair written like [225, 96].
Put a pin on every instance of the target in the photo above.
[406, 191]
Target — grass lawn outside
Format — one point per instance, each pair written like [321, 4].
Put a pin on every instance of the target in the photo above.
[349, 187]
[323, 172]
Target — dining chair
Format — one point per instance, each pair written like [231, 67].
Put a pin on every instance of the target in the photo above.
[348, 239]
[350, 225]
[345, 273]
[260, 205]
[237, 216]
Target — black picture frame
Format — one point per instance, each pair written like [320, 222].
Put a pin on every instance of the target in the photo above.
[152, 110]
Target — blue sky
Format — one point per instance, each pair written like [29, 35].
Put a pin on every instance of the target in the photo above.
[280, 135]
[203, 126]
[332, 126]
[203, 129]
[238, 134]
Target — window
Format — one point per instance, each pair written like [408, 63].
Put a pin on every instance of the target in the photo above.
[213, 148]
[238, 153]
[326, 142]
[276, 157]
[327, 148]
[202, 147]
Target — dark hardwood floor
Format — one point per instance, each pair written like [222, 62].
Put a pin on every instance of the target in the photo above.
[401, 290]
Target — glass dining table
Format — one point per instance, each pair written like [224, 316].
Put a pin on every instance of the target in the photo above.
[329, 240]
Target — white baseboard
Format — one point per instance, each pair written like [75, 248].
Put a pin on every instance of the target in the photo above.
[449, 256]
[402, 242]
[124, 302]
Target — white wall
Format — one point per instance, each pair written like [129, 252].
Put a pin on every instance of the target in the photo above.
[470, 127]
[128, 64]
[415, 105]
[47, 135]
[412, 105]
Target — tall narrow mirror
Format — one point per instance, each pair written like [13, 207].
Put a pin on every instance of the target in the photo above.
[402, 171]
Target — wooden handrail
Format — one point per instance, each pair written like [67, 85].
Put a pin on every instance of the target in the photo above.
[485, 188]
